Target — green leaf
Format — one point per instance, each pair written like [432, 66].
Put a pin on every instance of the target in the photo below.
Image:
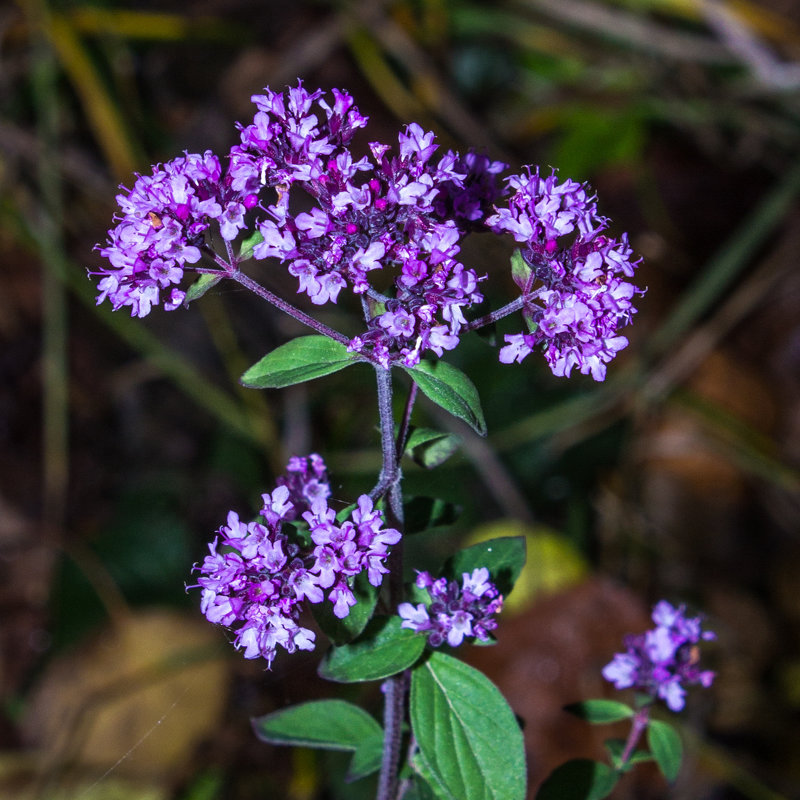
[579, 779]
[344, 630]
[424, 513]
[466, 732]
[600, 712]
[427, 779]
[324, 724]
[430, 448]
[248, 245]
[205, 282]
[666, 747]
[503, 557]
[383, 649]
[530, 320]
[301, 359]
[520, 270]
[420, 789]
[367, 758]
[616, 747]
[450, 389]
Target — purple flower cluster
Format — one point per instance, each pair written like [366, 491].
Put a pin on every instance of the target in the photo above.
[307, 480]
[162, 229]
[255, 578]
[662, 661]
[378, 214]
[575, 295]
[404, 213]
[386, 227]
[455, 611]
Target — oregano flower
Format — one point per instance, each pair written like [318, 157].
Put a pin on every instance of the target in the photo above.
[663, 661]
[257, 576]
[455, 611]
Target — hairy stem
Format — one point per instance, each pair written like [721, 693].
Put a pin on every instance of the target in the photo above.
[288, 308]
[394, 690]
[389, 485]
[494, 316]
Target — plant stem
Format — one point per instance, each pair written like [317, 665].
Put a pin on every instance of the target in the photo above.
[394, 690]
[488, 319]
[638, 726]
[288, 308]
[405, 424]
[389, 484]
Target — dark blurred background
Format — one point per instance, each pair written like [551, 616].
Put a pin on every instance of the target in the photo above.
[123, 443]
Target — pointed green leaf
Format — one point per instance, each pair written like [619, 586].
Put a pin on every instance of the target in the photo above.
[429, 784]
[530, 321]
[420, 436]
[205, 282]
[600, 712]
[420, 789]
[344, 630]
[503, 557]
[666, 747]
[466, 732]
[579, 779]
[325, 724]
[367, 758]
[383, 649]
[450, 389]
[249, 244]
[431, 448]
[424, 513]
[301, 359]
[520, 270]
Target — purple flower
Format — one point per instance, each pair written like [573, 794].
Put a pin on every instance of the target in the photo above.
[370, 216]
[307, 480]
[469, 200]
[255, 578]
[576, 298]
[454, 612]
[161, 231]
[663, 661]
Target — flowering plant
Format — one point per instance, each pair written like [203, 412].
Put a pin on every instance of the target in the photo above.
[386, 229]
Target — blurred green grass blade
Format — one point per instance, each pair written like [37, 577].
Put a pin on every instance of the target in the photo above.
[483, 21]
[725, 766]
[150, 26]
[749, 449]
[50, 243]
[374, 67]
[559, 417]
[102, 113]
[134, 333]
[724, 268]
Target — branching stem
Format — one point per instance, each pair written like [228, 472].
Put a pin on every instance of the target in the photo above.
[288, 308]
[494, 316]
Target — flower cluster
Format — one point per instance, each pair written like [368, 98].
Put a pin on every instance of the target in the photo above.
[370, 215]
[455, 611]
[575, 294]
[386, 227]
[162, 228]
[307, 480]
[660, 662]
[255, 578]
